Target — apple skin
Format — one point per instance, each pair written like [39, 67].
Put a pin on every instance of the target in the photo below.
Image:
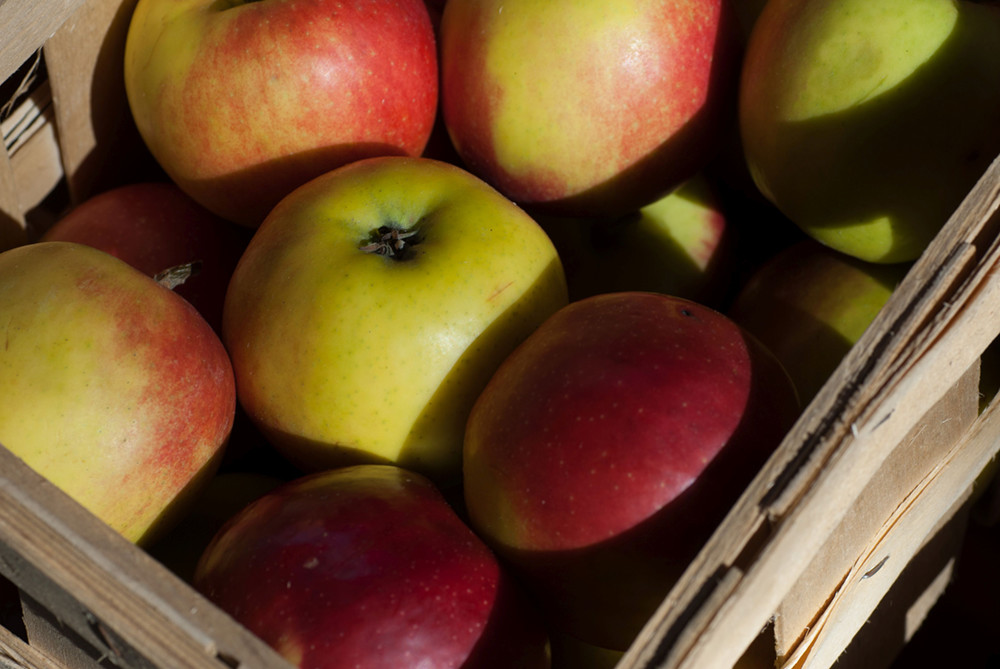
[240, 102]
[867, 122]
[154, 226]
[571, 107]
[369, 566]
[610, 444]
[344, 356]
[809, 304]
[115, 388]
[679, 245]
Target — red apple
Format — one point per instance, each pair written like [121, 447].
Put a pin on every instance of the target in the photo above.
[241, 101]
[610, 444]
[154, 226]
[369, 566]
[587, 107]
[115, 388]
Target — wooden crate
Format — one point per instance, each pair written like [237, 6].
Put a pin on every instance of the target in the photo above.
[863, 505]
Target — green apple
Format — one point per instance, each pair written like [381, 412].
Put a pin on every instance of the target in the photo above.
[374, 303]
[809, 304]
[678, 245]
[115, 388]
[587, 107]
[240, 101]
[867, 121]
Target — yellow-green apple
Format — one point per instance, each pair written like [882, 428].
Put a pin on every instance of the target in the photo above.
[867, 121]
[609, 445]
[679, 245]
[368, 566]
[241, 101]
[586, 107]
[115, 388]
[372, 306]
[155, 226]
[809, 304]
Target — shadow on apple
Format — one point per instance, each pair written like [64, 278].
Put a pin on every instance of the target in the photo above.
[604, 593]
[445, 413]
[675, 160]
[645, 250]
[907, 156]
[253, 191]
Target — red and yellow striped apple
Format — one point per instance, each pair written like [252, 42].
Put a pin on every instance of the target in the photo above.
[115, 388]
[155, 226]
[587, 107]
[240, 101]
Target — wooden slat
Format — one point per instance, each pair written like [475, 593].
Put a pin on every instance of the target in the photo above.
[26, 25]
[84, 60]
[107, 591]
[924, 339]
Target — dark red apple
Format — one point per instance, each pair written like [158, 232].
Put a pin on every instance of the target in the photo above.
[610, 444]
[369, 566]
[154, 226]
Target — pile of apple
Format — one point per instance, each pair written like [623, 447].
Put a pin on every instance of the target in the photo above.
[453, 329]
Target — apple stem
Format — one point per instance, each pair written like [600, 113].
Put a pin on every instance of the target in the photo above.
[390, 242]
[174, 276]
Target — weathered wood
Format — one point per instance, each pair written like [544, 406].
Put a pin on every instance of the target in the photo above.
[938, 321]
[107, 591]
[25, 27]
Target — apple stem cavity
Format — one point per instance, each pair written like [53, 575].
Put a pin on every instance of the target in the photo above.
[391, 242]
[174, 276]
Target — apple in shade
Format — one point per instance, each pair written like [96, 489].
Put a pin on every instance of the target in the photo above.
[240, 101]
[679, 245]
[368, 566]
[587, 107]
[372, 306]
[115, 388]
[155, 226]
[809, 304]
[866, 122]
[609, 445]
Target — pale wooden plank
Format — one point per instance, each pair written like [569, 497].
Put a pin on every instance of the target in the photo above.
[12, 225]
[832, 451]
[105, 589]
[903, 471]
[25, 25]
[84, 60]
[920, 515]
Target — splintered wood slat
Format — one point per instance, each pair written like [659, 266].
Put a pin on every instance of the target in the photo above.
[106, 591]
[936, 324]
[919, 516]
[26, 25]
[902, 472]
